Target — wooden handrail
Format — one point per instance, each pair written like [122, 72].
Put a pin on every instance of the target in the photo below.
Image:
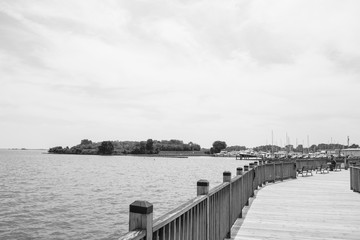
[210, 216]
[217, 188]
[134, 235]
[172, 215]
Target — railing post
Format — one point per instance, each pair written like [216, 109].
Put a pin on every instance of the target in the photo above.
[274, 172]
[351, 177]
[203, 189]
[357, 179]
[345, 164]
[256, 177]
[252, 180]
[141, 217]
[246, 168]
[260, 181]
[263, 172]
[282, 171]
[239, 172]
[227, 178]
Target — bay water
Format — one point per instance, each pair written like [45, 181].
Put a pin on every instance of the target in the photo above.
[47, 196]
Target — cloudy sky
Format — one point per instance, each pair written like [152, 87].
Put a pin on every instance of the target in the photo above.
[198, 71]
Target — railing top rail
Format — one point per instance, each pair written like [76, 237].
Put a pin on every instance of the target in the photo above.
[173, 214]
[134, 235]
[281, 162]
[234, 179]
[217, 188]
[356, 167]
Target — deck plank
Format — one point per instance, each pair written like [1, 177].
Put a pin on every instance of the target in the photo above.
[321, 206]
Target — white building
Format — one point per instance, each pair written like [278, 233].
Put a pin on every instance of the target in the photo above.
[352, 152]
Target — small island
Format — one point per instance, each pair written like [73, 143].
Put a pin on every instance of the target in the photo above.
[150, 147]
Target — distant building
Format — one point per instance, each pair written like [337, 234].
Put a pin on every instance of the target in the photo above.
[352, 152]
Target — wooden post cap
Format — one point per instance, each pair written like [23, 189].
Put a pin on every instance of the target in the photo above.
[202, 187]
[251, 165]
[239, 168]
[141, 207]
[202, 183]
[226, 173]
[226, 176]
[255, 163]
[239, 171]
[246, 168]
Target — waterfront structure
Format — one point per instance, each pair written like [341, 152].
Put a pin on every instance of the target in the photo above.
[315, 207]
[212, 214]
[351, 152]
[215, 213]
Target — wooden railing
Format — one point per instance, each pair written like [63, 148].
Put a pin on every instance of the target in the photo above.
[211, 214]
[355, 178]
[313, 162]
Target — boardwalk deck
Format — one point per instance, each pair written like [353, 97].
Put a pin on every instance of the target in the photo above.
[321, 206]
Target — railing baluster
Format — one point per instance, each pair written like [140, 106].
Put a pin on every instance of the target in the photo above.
[167, 231]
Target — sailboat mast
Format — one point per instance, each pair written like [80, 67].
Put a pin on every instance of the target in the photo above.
[272, 143]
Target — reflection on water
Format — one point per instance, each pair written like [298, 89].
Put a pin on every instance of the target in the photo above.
[47, 196]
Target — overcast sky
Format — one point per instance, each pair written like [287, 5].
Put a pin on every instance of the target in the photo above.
[191, 70]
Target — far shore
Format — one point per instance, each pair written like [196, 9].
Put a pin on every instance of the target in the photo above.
[177, 154]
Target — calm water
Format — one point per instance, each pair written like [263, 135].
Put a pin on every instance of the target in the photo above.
[45, 196]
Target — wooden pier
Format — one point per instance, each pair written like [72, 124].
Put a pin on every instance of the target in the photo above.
[317, 206]
[321, 206]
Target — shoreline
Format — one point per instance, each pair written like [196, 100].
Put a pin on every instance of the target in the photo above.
[141, 155]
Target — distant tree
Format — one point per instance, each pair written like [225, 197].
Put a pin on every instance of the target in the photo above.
[218, 146]
[85, 142]
[150, 145]
[106, 148]
[289, 147]
[354, 146]
[142, 147]
[235, 148]
[323, 146]
[57, 149]
[267, 148]
[313, 148]
[299, 148]
[196, 147]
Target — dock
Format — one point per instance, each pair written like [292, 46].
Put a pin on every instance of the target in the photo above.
[316, 207]
[265, 200]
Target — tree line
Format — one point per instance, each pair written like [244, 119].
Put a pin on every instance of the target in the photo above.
[149, 146]
[154, 147]
[301, 148]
